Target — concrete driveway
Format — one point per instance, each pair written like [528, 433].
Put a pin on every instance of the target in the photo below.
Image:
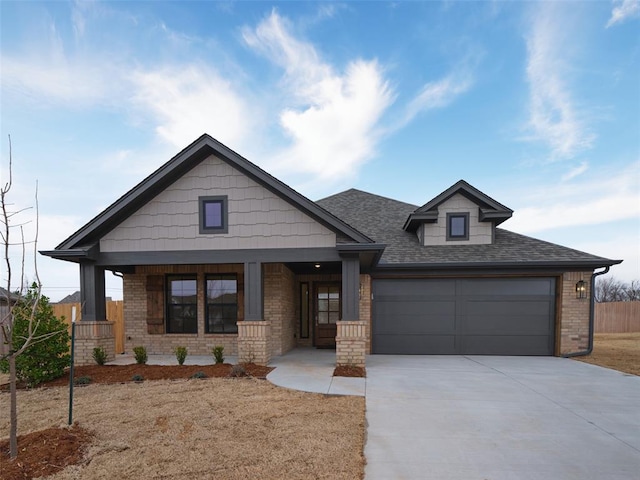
[454, 417]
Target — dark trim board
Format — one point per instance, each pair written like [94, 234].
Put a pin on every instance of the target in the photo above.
[464, 316]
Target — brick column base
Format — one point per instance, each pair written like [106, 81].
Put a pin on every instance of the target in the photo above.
[90, 335]
[253, 342]
[351, 343]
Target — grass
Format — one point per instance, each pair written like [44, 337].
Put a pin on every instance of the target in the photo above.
[213, 428]
[620, 351]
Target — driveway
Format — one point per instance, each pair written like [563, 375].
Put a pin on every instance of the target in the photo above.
[454, 417]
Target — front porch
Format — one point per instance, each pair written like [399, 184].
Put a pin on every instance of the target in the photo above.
[256, 311]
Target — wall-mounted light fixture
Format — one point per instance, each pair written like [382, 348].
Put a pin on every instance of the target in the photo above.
[581, 289]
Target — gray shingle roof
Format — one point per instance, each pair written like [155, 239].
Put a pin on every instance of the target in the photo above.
[382, 219]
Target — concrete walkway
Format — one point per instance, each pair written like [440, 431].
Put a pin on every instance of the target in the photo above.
[311, 370]
[499, 418]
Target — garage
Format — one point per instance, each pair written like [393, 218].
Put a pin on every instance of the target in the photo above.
[464, 316]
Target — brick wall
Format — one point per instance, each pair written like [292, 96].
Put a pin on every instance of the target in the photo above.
[574, 313]
[279, 306]
[351, 343]
[135, 310]
[90, 335]
[254, 345]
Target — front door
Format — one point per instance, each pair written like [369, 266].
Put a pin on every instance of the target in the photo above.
[327, 313]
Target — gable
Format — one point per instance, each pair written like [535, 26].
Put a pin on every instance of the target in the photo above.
[257, 217]
[480, 233]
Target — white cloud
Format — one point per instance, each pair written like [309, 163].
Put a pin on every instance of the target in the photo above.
[604, 198]
[623, 10]
[574, 172]
[186, 101]
[554, 118]
[437, 94]
[332, 117]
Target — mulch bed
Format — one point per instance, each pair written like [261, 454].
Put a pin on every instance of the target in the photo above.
[124, 373]
[349, 371]
[44, 453]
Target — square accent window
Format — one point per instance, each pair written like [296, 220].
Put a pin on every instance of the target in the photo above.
[182, 304]
[457, 226]
[222, 304]
[213, 214]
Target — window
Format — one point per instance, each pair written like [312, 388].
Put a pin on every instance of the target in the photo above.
[222, 304]
[328, 307]
[182, 305]
[457, 226]
[213, 214]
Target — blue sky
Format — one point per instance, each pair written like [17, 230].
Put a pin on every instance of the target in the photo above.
[535, 104]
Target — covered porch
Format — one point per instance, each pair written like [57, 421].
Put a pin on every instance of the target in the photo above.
[276, 306]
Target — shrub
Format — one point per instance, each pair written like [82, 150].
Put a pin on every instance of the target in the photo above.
[218, 353]
[44, 360]
[181, 354]
[141, 355]
[199, 375]
[99, 355]
[82, 381]
[137, 378]
[238, 371]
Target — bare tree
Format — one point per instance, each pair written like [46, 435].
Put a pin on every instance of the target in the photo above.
[632, 291]
[610, 289]
[7, 217]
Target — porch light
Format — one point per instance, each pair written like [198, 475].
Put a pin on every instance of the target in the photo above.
[581, 289]
[317, 265]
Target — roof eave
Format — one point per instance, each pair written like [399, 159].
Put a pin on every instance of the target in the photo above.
[565, 264]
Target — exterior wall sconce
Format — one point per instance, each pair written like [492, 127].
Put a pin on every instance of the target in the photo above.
[581, 289]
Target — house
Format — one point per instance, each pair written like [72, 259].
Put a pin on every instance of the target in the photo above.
[215, 251]
[75, 298]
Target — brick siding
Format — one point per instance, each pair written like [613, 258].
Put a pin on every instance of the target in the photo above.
[574, 314]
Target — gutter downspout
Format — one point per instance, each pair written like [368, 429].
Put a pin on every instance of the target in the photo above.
[592, 308]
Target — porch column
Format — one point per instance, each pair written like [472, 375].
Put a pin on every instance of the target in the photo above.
[92, 293]
[350, 336]
[254, 333]
[253, 291]
[351, 288]
[93, 330]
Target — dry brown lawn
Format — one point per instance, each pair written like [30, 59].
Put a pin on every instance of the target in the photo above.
[620, 351]
[213, 428]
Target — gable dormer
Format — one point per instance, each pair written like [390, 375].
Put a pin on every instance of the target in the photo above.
[460, 215]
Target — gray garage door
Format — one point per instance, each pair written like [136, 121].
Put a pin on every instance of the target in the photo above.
[488, 316]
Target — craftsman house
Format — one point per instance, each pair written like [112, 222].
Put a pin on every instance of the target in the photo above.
[215, 251]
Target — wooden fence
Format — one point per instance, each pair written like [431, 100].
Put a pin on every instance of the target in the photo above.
[617, 317]
[114, 314]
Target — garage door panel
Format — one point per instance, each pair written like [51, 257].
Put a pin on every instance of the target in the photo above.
[505, 287]
[498, 316]
[424, 324]
[414, 344]
[505, 325]
[505, 344]
[494, 306]
[417, 308]
[409, 287]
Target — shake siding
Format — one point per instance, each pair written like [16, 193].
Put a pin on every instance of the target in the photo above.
[257, 217]
[436, 233]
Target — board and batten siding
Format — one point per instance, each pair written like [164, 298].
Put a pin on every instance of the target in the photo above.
[480, 233]
[257, 217]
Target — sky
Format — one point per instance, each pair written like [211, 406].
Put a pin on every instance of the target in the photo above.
[537, 104]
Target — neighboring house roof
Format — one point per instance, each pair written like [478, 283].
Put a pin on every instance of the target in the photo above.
[4, 294]
[77, 245]
[383, 218]
[73, 298]
[490, 210]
